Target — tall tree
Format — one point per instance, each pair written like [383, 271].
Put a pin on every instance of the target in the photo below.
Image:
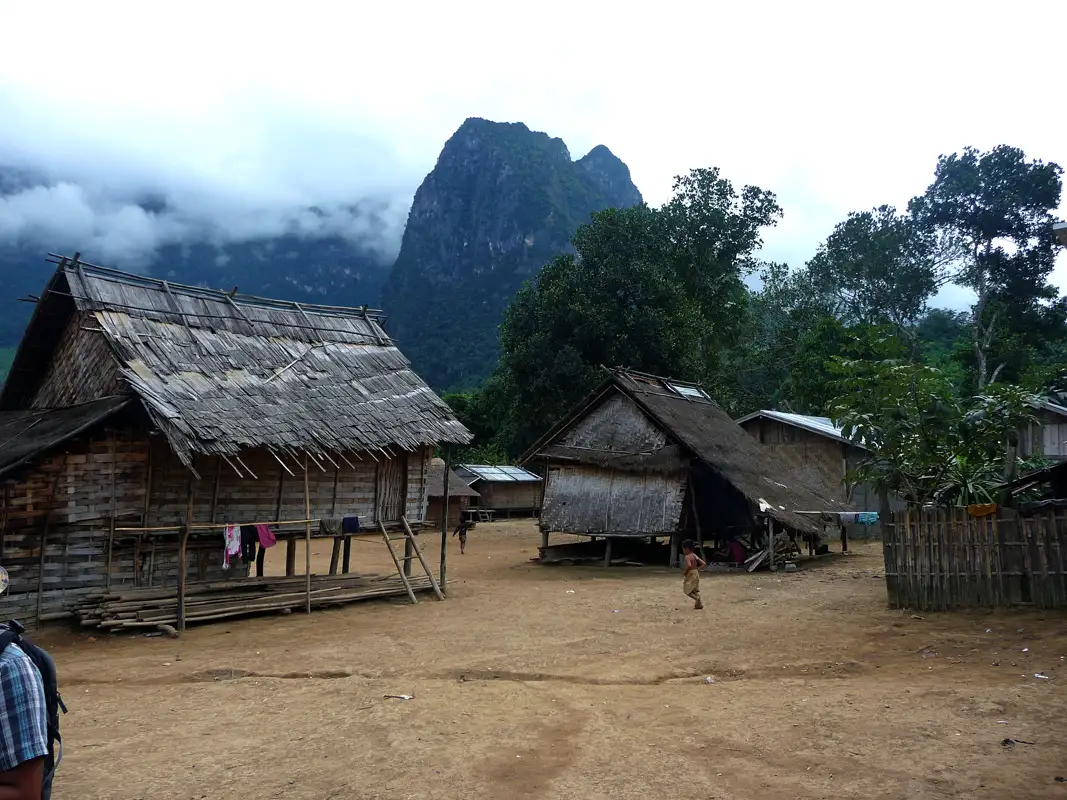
[997, 206]
[712, 235]
[879, 267]
[660, 290]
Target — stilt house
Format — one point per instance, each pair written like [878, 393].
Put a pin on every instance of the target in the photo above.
[647, 457]
[505, 491]
[141, 416]
[825, 457]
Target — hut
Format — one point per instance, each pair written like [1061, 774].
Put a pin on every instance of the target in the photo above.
[648, 458]
[825, 457]
[142, 418]
[1045, 436]
[503, 491]
[459, 495]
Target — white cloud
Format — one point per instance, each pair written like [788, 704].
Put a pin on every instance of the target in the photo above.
[241, 115]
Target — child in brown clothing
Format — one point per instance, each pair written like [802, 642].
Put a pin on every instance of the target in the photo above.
[691, 575]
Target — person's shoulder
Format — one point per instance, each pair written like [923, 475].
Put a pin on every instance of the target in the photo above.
[15, 662]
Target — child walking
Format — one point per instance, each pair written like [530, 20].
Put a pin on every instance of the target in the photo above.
[462, 531]
[691, 575]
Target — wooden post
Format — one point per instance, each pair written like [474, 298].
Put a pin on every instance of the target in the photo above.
[844, 539]
[111, 522]
[307, 536]
[674, 549]
[261, 555]
[444, 525]
[48, 509]
[290, 542]
[335, 555]
[544, 492]
[183, 545]
[40, 564]
[696, 516]
[425, 566]
[396, 562]
[544, 537]
[607, 550]
[138, 578]
[770, 543]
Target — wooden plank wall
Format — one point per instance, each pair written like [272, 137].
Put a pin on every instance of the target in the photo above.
[525, 495]
[76, 486]
[82, 367]
[945, 559]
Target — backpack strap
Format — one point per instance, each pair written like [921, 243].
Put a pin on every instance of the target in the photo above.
[8, 636]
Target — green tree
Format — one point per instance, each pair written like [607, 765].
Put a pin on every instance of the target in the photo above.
[659, 290]
[925, 442]
[711, 234]
[997, 207]
[879, 267]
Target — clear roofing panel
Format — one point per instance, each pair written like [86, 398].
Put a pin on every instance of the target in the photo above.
[688, 391]
[487, 472]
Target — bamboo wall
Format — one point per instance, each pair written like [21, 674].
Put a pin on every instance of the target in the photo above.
[593, 499]
[946, 559]
[82, 367]
[77, 487]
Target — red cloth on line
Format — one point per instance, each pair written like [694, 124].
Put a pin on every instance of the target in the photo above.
[266, 536]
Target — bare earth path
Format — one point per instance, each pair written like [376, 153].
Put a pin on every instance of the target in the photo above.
[564, 682]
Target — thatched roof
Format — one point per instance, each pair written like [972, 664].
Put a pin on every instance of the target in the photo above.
[220, 372]
[693, 421]
[25, 434]
[435, 482]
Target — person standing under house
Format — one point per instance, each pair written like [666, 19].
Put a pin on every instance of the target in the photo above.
[691, 574]
[462, 532]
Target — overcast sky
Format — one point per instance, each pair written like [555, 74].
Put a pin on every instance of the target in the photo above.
[242, 115]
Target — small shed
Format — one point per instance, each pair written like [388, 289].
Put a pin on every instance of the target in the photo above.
[507, 491]
[142, 418]
[646, 457]
[459, 495]
[1046, 436]
[823, 454]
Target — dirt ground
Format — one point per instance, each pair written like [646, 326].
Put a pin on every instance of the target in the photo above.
[568, 682]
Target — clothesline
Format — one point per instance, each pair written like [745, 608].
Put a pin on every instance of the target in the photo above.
[216, 526]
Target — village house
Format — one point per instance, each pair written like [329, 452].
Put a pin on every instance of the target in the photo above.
[459, 495]
[140, 418]
[824, 455]
[1046, 436]
[503, 491]
[648, 458]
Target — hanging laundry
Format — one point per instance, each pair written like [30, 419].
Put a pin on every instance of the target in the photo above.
[231, 544]
[330, 526]
[350, 525]
[266, 536]
[249, 538]
[867, 518]
[979, 510]
[847, 517]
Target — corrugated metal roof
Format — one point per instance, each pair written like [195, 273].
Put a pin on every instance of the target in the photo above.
[487, 472]
[821, 425]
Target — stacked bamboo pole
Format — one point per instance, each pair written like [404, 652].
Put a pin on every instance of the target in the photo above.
[149, 608]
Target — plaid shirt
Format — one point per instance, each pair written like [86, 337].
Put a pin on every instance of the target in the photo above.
[23, 714]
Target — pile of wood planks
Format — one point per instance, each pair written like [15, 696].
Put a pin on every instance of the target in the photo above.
[204, 602]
